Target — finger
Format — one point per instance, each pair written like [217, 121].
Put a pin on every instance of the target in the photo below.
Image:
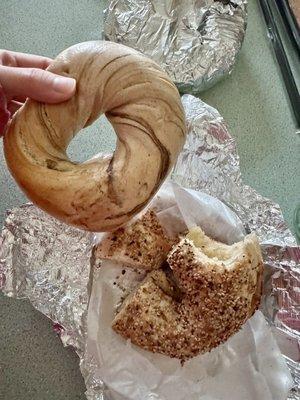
[23, 60]
[37, 84]
[13, 106]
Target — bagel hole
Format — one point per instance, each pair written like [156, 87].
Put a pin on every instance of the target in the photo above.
[92, 140]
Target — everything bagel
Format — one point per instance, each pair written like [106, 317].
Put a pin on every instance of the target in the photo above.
[145, 110]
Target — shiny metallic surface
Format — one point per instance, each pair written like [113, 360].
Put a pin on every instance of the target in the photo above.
[195, 42]
[52, 264]
[49, 263]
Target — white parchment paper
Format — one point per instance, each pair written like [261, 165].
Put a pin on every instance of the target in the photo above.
[249, 366]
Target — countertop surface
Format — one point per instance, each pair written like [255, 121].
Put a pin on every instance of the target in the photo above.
[33, 363]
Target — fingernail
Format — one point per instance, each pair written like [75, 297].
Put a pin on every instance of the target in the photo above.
[64, 85]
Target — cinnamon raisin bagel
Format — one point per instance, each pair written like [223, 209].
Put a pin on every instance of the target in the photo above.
[145, 110]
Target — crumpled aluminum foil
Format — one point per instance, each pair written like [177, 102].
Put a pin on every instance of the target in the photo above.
[49, 263]
[52, 264]
[202, 37]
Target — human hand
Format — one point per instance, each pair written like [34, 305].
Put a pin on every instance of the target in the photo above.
[23, 75]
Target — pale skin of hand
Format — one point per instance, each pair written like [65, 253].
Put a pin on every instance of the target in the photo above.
[24, 76]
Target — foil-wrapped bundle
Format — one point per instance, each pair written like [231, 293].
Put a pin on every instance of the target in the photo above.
[195, 42]
[53, 264]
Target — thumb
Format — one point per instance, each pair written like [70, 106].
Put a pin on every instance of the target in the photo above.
[38, 84]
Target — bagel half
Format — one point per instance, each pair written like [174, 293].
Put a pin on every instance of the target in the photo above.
[144, 108]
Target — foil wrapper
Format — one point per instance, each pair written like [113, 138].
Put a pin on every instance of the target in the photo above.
[49, 263]
[52, 264]
[195, 42]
